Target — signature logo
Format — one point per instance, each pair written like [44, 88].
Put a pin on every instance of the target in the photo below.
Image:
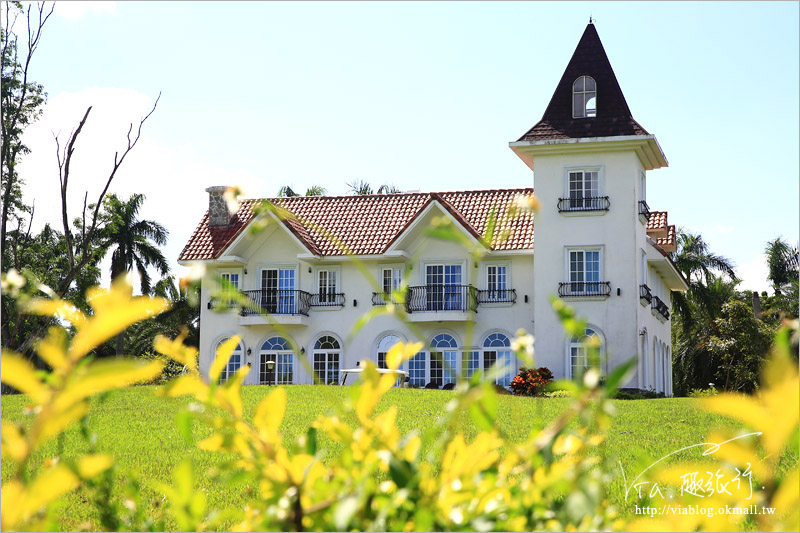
[700, 484]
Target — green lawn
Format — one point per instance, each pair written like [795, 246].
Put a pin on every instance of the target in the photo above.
[139, 430]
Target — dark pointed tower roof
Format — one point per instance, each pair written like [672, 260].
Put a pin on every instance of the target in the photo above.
[613, 115]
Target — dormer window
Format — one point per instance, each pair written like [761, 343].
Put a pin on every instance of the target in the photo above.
[584, 98]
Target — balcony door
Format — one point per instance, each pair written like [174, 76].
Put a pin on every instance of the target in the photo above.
[443, 287]
[277, 290]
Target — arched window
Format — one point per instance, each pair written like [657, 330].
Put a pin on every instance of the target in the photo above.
[584, 98]
[444, 358]
[276, 362]
[327, 354]
[234, 363]
[384, 345]
[578, 359]
[497, 349]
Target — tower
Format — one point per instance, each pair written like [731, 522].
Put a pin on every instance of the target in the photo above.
[591, 246]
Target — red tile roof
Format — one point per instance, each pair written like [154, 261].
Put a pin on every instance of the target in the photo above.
[657, 223]
[668, 243]
[368, 224]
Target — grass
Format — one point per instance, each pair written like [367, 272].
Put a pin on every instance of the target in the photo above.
[139, 430]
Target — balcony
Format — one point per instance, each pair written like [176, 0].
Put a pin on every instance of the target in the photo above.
[644, 210]
[658, 306]
[585, 289]
[382, 298]
[589, 203]
[645, 296]
[437, 303]
[497, 296]
[327, 299]
[279, 306]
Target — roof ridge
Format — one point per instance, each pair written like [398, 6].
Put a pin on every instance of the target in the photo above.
[355, 196]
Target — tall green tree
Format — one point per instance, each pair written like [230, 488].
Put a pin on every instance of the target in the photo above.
[134, 243]
[22, 101]
[782, 260]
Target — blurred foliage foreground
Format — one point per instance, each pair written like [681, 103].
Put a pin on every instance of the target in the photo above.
[379, 480]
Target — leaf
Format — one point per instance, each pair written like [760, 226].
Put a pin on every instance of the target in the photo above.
[311, 441]
[50, 424]
[183, 420]
[56, 308]
[224, 353]
[270, 411]
[48, 486]
[177, 350]
[400, 353]
[484, 410]
[13, 443]
[230, 393]
[115, 310]
[185, 385]
[53, 348]
[20, 374]
[93, 464]
[11, 498]
[104, 375]
[620, 375]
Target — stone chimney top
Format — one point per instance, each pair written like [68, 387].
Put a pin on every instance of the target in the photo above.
[218, 213]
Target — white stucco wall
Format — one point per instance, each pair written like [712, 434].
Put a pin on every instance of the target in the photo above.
[276, 247]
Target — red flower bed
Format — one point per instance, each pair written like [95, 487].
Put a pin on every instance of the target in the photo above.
[531, 381]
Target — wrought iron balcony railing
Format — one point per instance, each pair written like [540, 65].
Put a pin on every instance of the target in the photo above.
[442, 298]
[589, 203]
[645, 294]
[497, 296]
[584, 288]
[327, 299]
[277, 302]
[381, 298]
[660, 307]
[644, 209]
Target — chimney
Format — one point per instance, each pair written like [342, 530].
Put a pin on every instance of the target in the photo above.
[218, 213]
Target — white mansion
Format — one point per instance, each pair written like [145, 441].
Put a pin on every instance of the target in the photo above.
[598, 247]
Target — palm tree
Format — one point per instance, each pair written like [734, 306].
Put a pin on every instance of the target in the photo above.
[782, 260]
[315, 190]
[135, 243]
[360, 188]
[700, 267]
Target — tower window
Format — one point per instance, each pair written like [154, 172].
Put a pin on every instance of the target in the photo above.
[584, 98]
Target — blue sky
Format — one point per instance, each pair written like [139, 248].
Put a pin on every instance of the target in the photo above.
[420, 95]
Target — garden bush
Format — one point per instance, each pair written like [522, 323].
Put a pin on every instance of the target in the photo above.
[531, 381]
[375, 478]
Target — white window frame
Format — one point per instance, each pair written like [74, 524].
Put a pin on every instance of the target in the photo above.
[324, 378]
[495, 264]
[584, 169]
[449, 369]
[329, 297]
[227, 371]
[505, 380]
[601, 270]
[584, 93]
[277, 356]
[570, 343]
[380, 351]
[396, 276]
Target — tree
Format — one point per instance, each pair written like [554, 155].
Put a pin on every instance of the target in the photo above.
[362, 187]
[782, 261]
[184, 312]
[22, 100]
[131, 239]
[700, 267]
[315, 190]
[740, 345]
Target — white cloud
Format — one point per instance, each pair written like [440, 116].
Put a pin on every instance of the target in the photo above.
[173, 178]
[754, 275]
[74, 10]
